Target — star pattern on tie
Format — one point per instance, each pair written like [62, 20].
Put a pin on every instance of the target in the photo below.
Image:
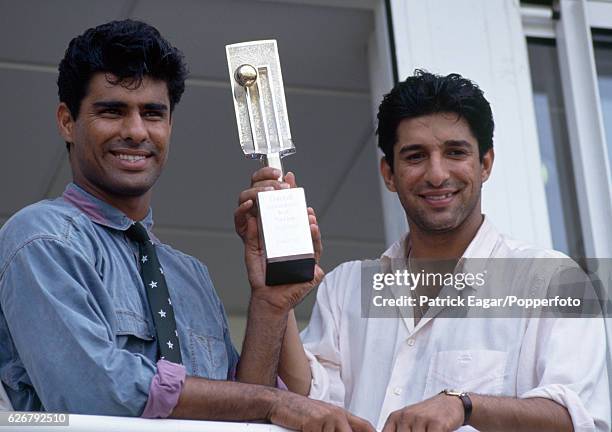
[158, 297]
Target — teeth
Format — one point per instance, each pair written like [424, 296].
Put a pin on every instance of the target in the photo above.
[439, 197]
[130, 158]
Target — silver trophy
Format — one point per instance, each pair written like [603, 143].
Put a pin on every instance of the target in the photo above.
[263, 129]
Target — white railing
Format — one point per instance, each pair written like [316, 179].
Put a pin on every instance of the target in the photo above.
[90, 423]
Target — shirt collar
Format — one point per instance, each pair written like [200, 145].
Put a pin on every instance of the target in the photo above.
[484, 242]
[481, 246]
[101, 212]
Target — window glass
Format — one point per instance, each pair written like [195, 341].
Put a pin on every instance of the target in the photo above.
[602, 41]
[557, 169]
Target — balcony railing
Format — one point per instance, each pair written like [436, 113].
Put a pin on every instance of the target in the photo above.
[90, 423]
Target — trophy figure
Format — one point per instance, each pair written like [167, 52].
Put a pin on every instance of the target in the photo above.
[263, 129]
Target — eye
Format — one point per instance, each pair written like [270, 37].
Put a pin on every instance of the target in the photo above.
[457, 153]
[414, 157]
[110, 112]
[153, 115]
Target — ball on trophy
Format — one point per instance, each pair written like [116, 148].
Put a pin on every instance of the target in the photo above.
[246, 75]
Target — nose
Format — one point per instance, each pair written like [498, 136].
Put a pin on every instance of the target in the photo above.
[134, 128]
[437, 172]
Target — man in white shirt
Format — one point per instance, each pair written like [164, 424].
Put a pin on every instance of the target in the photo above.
[514, 374]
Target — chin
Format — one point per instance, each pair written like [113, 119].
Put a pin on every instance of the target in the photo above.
[130, 189]
[430, 224]
[441, 227]
[134, 191]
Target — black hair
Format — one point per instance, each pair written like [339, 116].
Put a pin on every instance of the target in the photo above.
[127, 49]
[425, 93]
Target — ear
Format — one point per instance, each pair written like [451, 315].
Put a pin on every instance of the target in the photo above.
[387, 174]
[65, 122]
[487, 165]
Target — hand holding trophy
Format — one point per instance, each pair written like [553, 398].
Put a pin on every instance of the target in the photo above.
[263, 129]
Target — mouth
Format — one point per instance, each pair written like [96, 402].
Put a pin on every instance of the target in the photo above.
[131, 160]
[439, 199]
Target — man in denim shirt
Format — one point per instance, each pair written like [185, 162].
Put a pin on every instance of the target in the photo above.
[76, 330]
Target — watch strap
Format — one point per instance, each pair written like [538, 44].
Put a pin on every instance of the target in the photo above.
[467, 407]
[465, 400]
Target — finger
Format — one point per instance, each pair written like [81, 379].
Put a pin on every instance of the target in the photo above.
[253, 253]
[244, 207]
[435, 428]
[265, 173]
[271, 183]
[316, 233]
[390, 426]
[406, 425]
[360, 425]
[343, 427]
[317, 242]
[402, 427]
[251, 236]
[329, 426]
[311, 427]
[251, 194]
[290, 178]
[319, 274]
[240, 217]
[293, 294]
[419, 426]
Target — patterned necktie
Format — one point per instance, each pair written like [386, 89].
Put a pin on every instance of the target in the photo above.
[157, 292]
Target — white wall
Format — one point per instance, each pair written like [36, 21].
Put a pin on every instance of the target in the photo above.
[483, 40]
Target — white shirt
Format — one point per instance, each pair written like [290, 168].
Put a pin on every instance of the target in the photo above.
[374, 366]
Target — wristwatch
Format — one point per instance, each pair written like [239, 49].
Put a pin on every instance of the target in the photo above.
[465, 399]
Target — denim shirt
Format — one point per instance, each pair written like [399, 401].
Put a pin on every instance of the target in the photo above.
[76, 332]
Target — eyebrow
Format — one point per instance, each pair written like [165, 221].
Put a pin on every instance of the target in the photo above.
[156, 107]
[458, 143]
[109, 104]
[448, 143]
[411, 147]
[116, 105]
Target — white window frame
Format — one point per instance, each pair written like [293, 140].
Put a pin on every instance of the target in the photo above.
[572, 32]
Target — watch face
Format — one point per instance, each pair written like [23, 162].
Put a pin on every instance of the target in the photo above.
[452, 392]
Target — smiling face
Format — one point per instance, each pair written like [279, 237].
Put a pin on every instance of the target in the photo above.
[119, 141]
[437, 172]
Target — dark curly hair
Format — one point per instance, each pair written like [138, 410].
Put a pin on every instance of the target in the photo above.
[129, 50]
[425, 93]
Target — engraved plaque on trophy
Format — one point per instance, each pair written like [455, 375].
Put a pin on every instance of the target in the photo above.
[263, 129]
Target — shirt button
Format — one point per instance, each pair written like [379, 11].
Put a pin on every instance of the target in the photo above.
[410, 342]
[397, 391]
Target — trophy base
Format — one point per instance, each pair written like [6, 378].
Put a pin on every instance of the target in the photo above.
[286, 272]
[285, 234]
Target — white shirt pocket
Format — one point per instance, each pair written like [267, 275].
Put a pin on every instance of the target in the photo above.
[478, 371]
